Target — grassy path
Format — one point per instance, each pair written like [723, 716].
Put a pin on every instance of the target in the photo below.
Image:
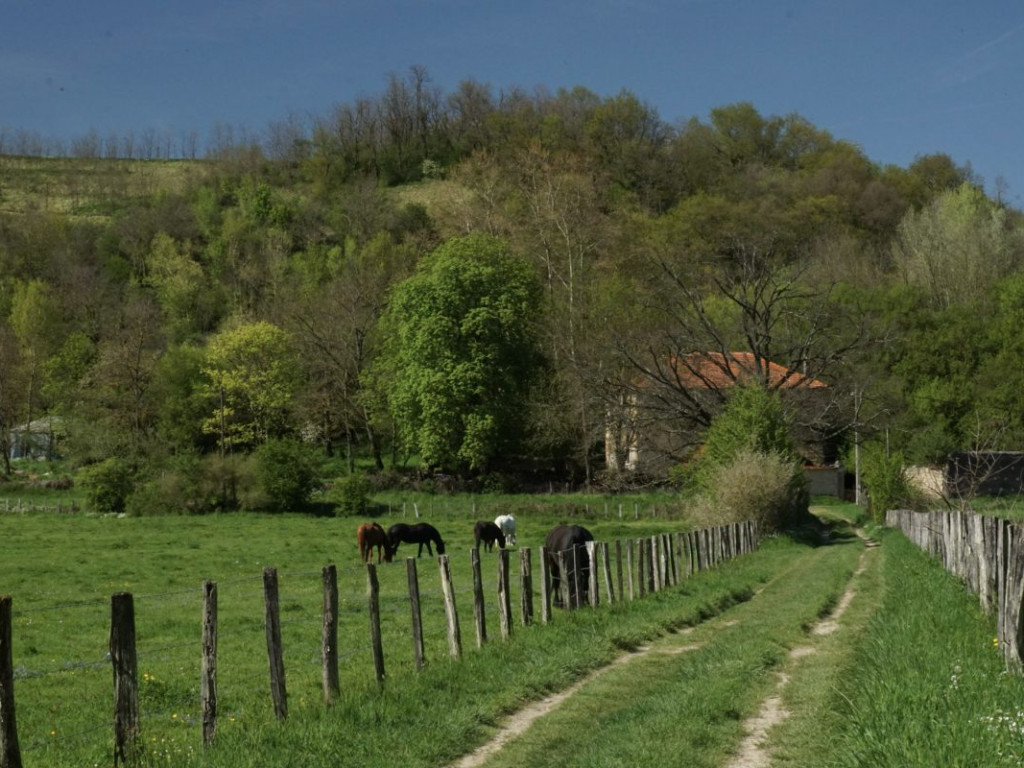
[685, 698]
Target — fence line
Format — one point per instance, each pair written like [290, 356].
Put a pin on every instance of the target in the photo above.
[664, 560]
[987, 554]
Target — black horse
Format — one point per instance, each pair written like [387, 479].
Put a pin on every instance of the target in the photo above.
[488, 533]
[568, 543]
[420, 533]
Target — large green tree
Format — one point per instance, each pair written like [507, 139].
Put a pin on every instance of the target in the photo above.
[461, 354]
[253, 375]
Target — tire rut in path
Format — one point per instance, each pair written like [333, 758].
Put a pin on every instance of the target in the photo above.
[753, 750]
[520, 721]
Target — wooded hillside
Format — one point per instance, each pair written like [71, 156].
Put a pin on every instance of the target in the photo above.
[482, 283]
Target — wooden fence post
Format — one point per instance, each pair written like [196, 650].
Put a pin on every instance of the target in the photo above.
[329, 634]
[275, 653]
[417, 615]
[609, 588]
[208, 667]
[545, 587]
[630, 569]
[649, 564]
[10, 754]
[620, 594]
[450, 611]
[641, 578]
[504, 598]
[563, 583]
[126, 679]
[657, 562]
[592, 574]
[376, 643]
[479, 615]
[525, 586]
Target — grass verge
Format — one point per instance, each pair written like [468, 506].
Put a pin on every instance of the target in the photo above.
[912, 678]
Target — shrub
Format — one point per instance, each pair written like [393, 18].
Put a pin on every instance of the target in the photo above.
[193, 485]
[752, 421]
[767, 487]
[107, 484]
[286, 474]
[229, 482]
[352, 494]
[884, 479]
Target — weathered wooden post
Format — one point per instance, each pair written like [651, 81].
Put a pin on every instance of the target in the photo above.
[10, 753]
[417, 615]
[504, 598]
[630, 569]
[525, 586]
[208, 667]
[126, 679]
[649, 563]
[563, 582]
[606, 568]
[450, 611]
[641, 557]
[479, 616]
[329, 634]
[376, 642]
[545, 587]
[593, 585]
[618, 569]
[656, 569]
[275, 653]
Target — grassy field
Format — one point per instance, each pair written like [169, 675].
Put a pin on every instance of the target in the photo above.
[62, 569]
[910, 679]
[87, 187]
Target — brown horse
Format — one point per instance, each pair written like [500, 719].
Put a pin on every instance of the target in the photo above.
[371, 535]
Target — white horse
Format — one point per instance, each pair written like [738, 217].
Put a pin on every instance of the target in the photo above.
[507, 523]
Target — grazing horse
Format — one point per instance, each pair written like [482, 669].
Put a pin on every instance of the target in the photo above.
[488, 533]
[507, 523]
[420, 533]
[571, 542]
[371, 535]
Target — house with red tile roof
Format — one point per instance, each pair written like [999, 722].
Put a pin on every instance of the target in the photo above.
[660, 421]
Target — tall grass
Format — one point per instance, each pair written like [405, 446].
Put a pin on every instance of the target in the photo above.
[926, 687]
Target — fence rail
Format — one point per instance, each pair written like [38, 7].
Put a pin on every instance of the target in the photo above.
[662, 561]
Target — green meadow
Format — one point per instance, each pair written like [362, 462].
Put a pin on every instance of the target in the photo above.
[61, 571]
[910, 677]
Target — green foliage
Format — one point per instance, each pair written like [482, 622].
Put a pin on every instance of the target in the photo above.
[767, 487]
[753, 422]
[461, 353]
[352, 494]
[107, 484]
[252, 375]
[286, 472]
[957, 247]
[884, 478]
[747, 468]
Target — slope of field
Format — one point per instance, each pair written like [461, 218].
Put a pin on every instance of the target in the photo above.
[87, 187]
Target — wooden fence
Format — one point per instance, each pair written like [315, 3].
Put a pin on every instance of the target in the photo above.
[641, 566]
[987, 553]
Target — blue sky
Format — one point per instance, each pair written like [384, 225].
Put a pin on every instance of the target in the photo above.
[899, 78]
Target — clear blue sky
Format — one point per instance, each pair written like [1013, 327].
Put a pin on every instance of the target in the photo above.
[900, 78]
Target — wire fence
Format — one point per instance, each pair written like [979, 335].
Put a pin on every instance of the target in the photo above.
[65, 670]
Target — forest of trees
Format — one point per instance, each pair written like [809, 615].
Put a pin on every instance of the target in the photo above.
[474, 282]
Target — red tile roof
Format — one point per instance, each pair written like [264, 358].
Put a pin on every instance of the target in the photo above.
[714, 370]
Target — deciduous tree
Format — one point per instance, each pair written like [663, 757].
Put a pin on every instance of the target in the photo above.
[461, 353]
